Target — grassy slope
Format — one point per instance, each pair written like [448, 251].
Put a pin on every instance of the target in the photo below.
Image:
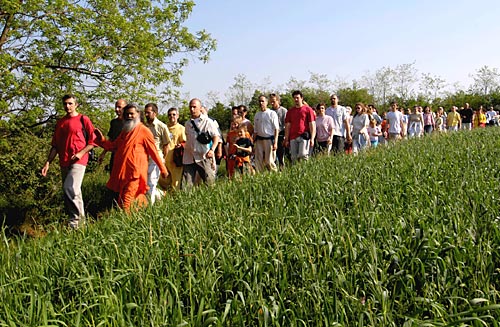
[405, 234]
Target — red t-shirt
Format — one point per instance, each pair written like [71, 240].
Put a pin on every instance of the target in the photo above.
[299, 119]
[68, 139]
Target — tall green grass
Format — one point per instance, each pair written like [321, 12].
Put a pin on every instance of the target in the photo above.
[405, 235]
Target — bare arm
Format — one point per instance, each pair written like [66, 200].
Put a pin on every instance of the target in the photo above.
[50, 158]
[312, 129]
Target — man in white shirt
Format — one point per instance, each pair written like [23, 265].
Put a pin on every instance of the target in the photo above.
[341, 124]
[199, 150]
[266, 129]
[161, 135]
[396, 122]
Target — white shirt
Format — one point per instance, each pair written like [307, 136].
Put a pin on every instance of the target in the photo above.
[339, 115]
[395, 119]
[265, 123]
[194, 151]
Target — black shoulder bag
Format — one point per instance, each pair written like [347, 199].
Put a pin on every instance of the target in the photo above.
[203, 137]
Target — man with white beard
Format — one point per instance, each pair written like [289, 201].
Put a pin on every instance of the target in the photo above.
[129, 174]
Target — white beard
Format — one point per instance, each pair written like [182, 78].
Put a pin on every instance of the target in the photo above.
[129, 125]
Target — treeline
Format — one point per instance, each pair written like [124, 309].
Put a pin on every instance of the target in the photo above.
[26, 195]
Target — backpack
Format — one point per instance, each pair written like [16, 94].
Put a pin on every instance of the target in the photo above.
[92, 156]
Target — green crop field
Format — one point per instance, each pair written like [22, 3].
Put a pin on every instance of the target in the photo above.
[405, 235]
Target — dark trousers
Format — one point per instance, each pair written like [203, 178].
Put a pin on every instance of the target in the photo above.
[338, 144]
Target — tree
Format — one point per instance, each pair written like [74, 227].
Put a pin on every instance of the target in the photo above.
[384, 84]
[295, 84]
[99, 50]
[405, 76]
[241, 91]
[486, 80]
[351, 96]
[431, 86]
[320, 82]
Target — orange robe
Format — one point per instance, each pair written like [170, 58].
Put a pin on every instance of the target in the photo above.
[129, 175]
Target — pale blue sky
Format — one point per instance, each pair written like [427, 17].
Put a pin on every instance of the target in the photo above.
[280, 39]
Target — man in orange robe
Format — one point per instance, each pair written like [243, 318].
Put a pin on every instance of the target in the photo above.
[129, 174]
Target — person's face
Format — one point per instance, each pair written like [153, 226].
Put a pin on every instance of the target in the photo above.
[131, 114]
[334, 100]
[242, 113]
[195, 108]
[70, 106]
[358, 109]
[298, 100]
[394, 106]
[234, 125]
[274, 103]
[235, 112]
[173, 117]
[263, 103]
[241, 133]
[119, 105]
[150, 114]
[321, 110]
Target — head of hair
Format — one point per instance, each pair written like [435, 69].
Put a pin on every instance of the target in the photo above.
[320, 104]
[275, 95]
[131, 106]
[153, 106]
[69, 96]
[172, 109]
[242, 108]
[297, 92]
[236, 119]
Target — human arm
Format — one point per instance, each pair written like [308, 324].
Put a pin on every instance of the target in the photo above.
[286, 141]
[50, 158]
[215, 144]
[347, 127]
[312, 130]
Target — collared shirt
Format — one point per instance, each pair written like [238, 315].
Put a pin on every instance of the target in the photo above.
[265, 123]
[161, 135]
[194, 151]
[339, 115]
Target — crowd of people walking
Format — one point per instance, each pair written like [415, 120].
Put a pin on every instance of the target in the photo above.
[146, 154]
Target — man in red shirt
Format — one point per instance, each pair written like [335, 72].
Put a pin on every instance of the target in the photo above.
[72, 140]
[300, 128]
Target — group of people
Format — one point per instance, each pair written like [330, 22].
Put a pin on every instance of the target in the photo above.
[145, 155]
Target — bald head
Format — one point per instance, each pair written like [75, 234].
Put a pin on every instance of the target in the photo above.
[119, 105]
[195, 108]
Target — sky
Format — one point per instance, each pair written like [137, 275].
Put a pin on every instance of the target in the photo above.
[277, 39]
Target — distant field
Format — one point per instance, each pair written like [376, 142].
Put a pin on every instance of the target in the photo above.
[406, 235]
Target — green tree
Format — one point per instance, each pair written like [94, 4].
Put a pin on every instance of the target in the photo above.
[99, 49]
[351, 96]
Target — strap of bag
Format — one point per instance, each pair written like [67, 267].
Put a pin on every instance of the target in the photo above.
[195, 127]
[85, 133]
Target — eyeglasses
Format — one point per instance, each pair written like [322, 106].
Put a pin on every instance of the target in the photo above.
[262, 101]
[172, 115]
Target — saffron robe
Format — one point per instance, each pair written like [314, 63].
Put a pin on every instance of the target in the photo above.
[129, 174]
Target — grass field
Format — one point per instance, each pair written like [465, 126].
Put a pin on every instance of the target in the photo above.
[405, 235]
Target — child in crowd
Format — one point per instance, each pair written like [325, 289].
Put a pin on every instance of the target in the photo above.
[374, 132]
[243, 147]
[231, 138]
